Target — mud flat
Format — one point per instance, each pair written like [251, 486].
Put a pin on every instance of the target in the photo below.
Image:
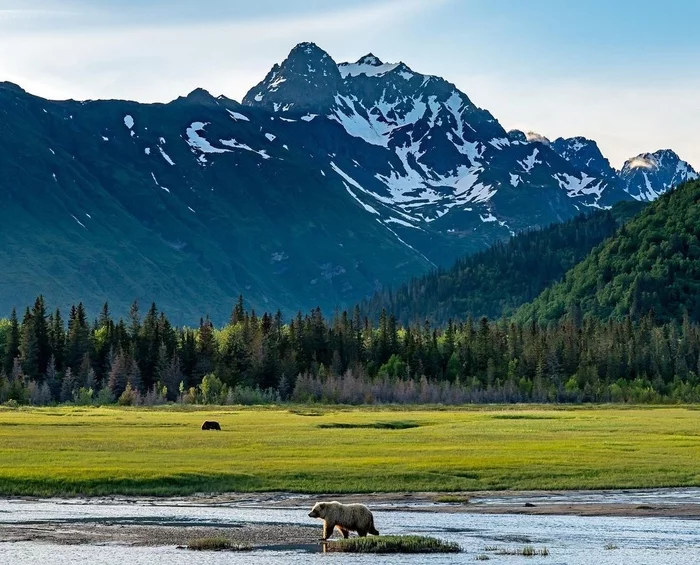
[101, 533]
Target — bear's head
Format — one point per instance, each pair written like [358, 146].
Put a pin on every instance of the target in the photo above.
[318, 511]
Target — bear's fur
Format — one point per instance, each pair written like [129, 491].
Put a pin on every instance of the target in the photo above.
[210, 425]
[345, 517]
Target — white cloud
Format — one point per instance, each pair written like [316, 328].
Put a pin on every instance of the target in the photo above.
[154, 61]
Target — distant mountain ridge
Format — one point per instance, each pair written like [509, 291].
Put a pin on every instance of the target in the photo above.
[644, 177]
[328, 182]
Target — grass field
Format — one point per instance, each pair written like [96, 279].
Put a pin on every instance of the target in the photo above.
[58, 451]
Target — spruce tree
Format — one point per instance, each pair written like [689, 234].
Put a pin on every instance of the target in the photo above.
[41, 333]
[12, 345]
[238, 314]
[29, 347]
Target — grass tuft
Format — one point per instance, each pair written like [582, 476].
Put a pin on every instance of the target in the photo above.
[527, 551]
[610, 546]
[393, 544]
[216, 544]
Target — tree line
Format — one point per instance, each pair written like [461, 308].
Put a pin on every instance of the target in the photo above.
[345, 359]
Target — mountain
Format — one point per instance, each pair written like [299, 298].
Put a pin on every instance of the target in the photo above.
[326, 183]
[644, 177]
[497, 281]
[649, 175]
[419, 152]
[651, 264]
[585, 155]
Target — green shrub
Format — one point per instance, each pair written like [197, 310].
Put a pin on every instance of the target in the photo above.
[393, 544]
[129, 397]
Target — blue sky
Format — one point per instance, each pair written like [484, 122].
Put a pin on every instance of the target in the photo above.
[622, 72]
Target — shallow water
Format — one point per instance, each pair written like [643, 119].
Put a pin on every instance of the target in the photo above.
[571, 540]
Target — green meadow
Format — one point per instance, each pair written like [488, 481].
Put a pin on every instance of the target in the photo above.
[162, 451]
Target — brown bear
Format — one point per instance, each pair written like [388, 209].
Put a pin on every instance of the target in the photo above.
[346, 517]
[210, 425]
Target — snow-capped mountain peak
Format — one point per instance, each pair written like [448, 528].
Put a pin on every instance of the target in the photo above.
[649, 175]
[585, 155]
[414, 148]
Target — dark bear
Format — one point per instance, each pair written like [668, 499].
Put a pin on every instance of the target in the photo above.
[210, 425]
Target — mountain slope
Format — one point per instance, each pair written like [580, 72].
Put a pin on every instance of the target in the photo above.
[122, 201]
[497, 281]
[653, 263]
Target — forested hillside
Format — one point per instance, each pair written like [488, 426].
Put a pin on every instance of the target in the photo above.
[651, 265]
[495, 282]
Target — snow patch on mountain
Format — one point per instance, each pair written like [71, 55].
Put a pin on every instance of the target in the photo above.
[406, 244]
[375, 125]
[77, 220]
[529, 163]
[365, 206]
[356, 69]
[369, 65]
[500, 142]
[575, 186]
[198, 142]
[402, 223]
[357, 185]
[236, 145]
[155, 180]
[166, 156]
[238, 116]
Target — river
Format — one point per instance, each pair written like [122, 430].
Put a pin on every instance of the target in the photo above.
[571, 540]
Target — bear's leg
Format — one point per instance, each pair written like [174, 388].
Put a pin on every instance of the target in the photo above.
[362, 533]
[344, 531]
[327, 530]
